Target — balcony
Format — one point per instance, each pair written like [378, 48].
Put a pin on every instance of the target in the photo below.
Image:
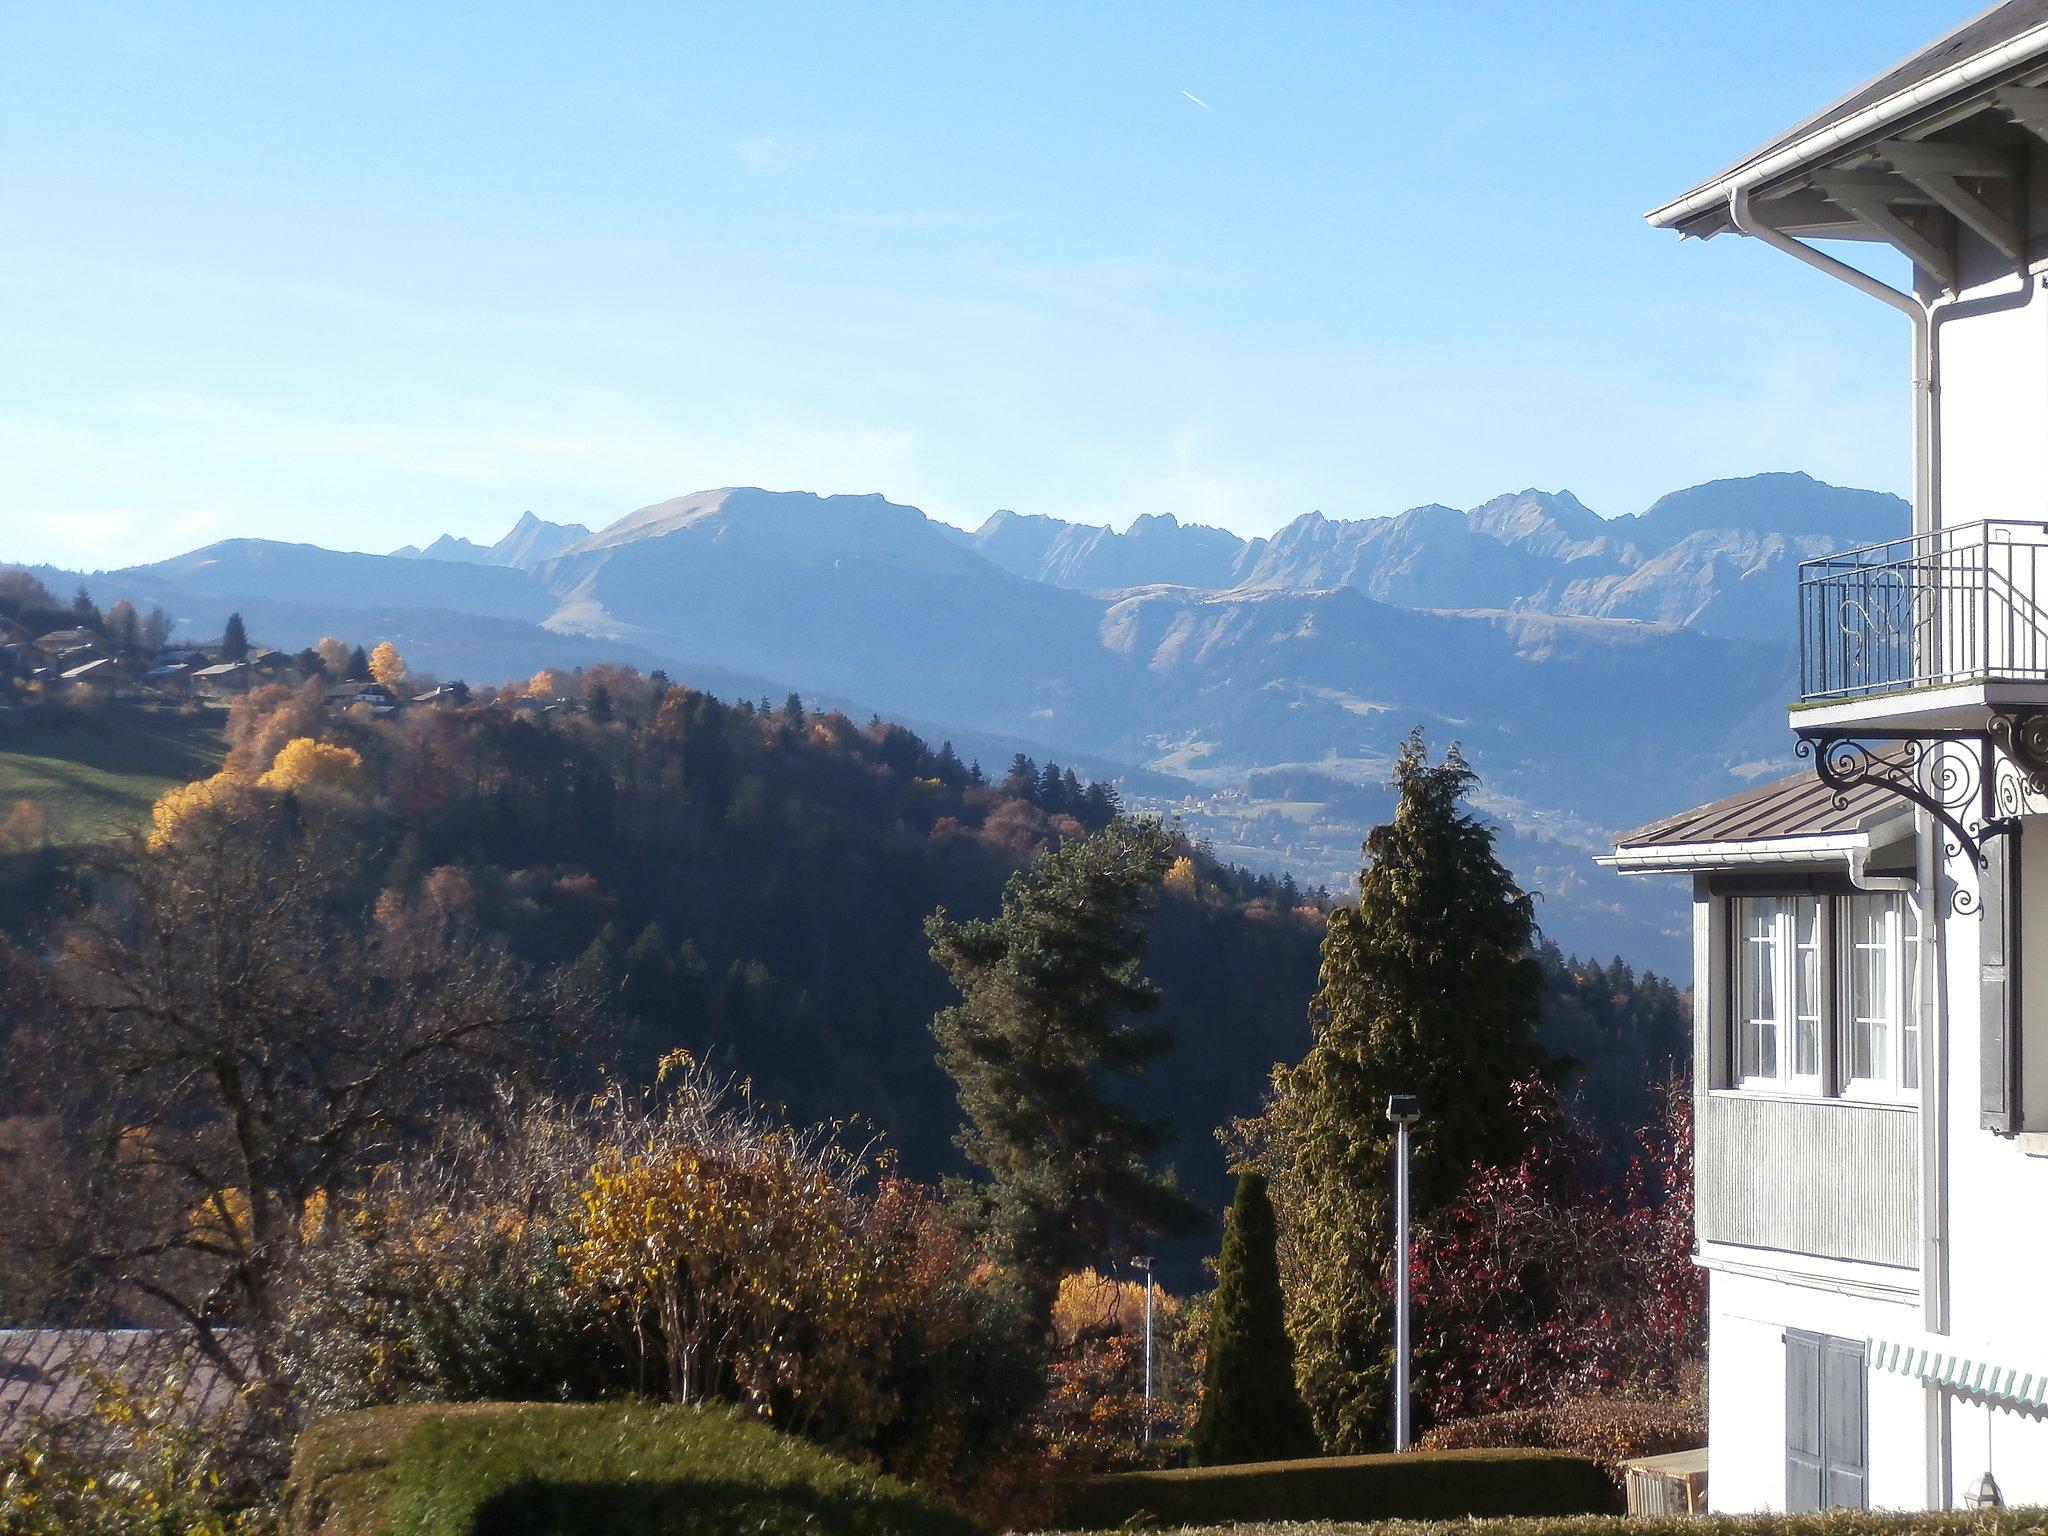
[1936, 628]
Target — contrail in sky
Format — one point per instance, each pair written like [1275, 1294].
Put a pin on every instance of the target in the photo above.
[1191, 96]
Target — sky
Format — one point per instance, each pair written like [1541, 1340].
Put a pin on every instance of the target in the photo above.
[359, 275]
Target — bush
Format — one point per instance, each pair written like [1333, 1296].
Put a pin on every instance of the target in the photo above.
[1421, 1485]
[524, 1469]
[1607, 1430]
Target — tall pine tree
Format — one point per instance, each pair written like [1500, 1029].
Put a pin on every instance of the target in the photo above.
[1251, 1408]
[234, 640]
[1052, 1012]
[1427, 987]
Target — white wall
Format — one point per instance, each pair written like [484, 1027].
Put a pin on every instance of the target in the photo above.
[1994, 414]
[1747, 1319]
[1997, 1190]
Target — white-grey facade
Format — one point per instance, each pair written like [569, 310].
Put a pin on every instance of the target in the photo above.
[1871, 940]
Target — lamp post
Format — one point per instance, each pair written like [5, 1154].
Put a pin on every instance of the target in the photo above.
[1144, 1262]
[1403, 1109]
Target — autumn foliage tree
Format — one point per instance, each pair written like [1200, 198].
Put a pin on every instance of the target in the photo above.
[386, 665]
[1541, 1280]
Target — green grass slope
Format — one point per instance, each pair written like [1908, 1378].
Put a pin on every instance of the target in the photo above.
[626, 1469]
[95, 777]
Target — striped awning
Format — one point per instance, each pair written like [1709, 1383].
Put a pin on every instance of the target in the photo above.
[2023, 1385]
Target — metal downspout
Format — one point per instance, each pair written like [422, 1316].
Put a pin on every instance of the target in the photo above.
[1934, 1090]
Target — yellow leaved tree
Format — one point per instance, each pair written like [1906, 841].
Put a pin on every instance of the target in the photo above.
[305, 764]
[176, 807]
[386, 665]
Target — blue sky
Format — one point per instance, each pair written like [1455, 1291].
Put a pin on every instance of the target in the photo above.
[360, 275]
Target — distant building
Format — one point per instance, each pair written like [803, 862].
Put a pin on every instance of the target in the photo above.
[72, 642]
[223, 677]
[375, 697]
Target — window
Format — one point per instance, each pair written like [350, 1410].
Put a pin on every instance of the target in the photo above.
[1825, 995]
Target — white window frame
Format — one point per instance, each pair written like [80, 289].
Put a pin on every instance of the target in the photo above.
[1765, 929]
[1896, 1079]
[1817, 985]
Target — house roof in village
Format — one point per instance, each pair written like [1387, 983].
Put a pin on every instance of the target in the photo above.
[1798, 810]
[48, 1373]
[221, 669]
[1998, 46]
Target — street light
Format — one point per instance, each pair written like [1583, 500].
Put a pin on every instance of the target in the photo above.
[1144, 1261]
[1404, 1109]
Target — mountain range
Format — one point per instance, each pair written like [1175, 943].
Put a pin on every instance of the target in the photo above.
[1597, 671]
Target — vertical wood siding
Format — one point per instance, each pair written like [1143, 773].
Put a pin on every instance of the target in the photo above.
[1841, 1181]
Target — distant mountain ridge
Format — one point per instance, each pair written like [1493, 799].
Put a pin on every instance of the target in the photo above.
[1528, 628]
[531, 541]
[1716, 557]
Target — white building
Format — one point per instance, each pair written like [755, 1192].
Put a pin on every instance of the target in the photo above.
[1871, 938]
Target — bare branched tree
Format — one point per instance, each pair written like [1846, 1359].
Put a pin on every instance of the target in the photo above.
[236, 1042]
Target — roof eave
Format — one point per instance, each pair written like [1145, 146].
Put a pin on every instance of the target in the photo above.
[1978, 70]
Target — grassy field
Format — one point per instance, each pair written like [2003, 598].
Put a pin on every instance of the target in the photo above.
[95, 777]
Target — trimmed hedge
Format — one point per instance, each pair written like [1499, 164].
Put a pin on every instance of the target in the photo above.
[626, 1469]
[1609, 1430]
[1421, 1485]
[1842, 1522]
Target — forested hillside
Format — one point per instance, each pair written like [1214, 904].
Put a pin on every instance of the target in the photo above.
[749, 882]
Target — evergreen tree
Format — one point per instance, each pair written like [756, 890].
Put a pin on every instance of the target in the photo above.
[1022, 779]
[358, 664]
[1048, 797]
[156, 631]
[234, 640]
[1427, 987]
[597, 699]
[1251, 1408]
[1051, 1014]
[85, 611]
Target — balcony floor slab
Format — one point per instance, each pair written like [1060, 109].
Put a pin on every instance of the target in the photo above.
[1951, 707]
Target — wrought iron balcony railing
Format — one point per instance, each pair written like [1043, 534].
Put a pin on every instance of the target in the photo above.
[1962, 605]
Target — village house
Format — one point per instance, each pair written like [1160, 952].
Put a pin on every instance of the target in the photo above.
[375, 697]
[1871, 936]
[77, 644]
[223, 678]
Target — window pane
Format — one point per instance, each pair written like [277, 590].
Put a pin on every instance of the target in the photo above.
[1909, 997]
[1757, 989]
[1873, 984]
[1807, 1003]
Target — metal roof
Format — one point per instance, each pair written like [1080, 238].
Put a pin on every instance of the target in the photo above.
[1913, 83]
[1796, 806]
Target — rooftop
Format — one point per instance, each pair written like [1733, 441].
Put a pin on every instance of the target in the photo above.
[1797, 814]
[2003, 46]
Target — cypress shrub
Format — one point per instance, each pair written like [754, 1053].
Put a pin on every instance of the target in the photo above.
[1251, 1408]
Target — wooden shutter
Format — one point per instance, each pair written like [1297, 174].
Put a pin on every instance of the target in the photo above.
[1845, 1471]
[1998, 931]
[1804, 1457]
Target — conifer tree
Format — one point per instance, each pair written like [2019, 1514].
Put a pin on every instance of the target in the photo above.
[234, 640]
[358, 664]
[1051, 1013]
[1251, 1408]
[1427, 987]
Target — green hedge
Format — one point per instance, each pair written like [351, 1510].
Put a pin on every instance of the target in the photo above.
[1421, 1485]
[635, 1469]
[2004, 1522]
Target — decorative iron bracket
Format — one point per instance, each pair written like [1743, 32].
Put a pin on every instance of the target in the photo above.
[1958, 789]
[1963, 791]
